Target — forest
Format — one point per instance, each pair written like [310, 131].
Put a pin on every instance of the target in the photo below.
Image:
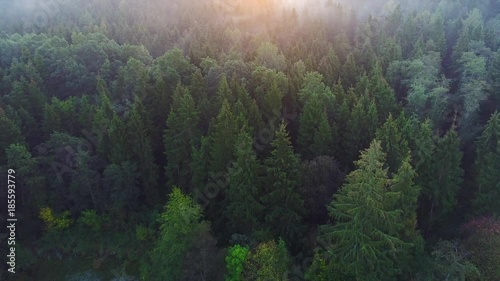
[268, 140]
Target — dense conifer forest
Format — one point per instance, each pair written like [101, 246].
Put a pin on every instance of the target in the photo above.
[269, 140]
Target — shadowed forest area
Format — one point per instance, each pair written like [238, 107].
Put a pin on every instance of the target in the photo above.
[167, 140]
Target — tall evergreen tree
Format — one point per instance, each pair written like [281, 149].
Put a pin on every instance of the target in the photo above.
[200, 164]
[141, 151]
[315, 133]
[393, 143]
[487, 199]
[180, 136]
[224, 93]
[11, 133]
[244, 208]
[246, 105]
[223, 139]
[179, 224]
[361, 128]
[366, 233]
[102, 119]
[444, 181]
[283, 202]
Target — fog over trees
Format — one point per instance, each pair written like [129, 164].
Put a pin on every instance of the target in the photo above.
[250, 140]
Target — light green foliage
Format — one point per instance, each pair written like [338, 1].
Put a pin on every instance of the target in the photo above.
[55, 222]
[178, 223]
[175, 60]
[314, 88]
[61, 116]
[268, 55]
[472, 88]
[235, 261]
[472, 30]
[91, 219]
[136, 77]
[269, 261]
[100, 124]
[329, 67]
[224, 93]
[427, 89]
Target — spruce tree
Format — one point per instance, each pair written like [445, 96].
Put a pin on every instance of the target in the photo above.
[180, 136]
[444, 180]
[487, 199]
[247, 105]
[223, 139]
[244, 209]
[366, 233]
[141, 152]
[361, 128]
[283, 202]
[393, 143]
[200, 164]
[102, 119]
[11, 133]
[224, 93]
[315, 134]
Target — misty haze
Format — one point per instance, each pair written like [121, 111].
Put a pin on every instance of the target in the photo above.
[250, 140]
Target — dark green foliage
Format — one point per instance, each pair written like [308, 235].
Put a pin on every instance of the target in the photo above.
[315, 134]
[361, 128]
[321, 177]
[284, 207]
[245, 211]
[481, 242]
[200, 164]
[11, 134]
[180, 136]
[487, 199]
[122, 182]
[440, 178]
[394, 143]
[450, 262]
[365, 236]
[223, 139]
[139, 143]
[97, 97]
